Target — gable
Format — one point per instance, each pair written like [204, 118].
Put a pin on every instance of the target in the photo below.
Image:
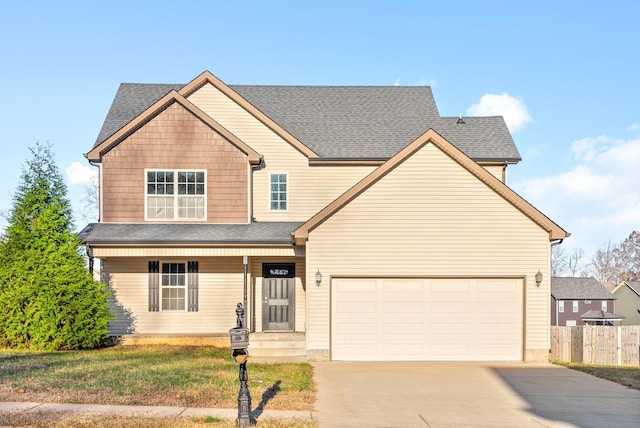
[173, 97]
[448, 168]
[172, 140]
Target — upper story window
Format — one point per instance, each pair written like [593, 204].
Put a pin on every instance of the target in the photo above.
[175, 195]
[575, 306]
[278, 200]
[604, 306]
[561, 306]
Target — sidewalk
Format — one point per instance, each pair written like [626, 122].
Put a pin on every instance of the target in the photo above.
[166, 411]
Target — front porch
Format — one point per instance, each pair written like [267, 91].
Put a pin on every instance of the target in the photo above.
[270, 346]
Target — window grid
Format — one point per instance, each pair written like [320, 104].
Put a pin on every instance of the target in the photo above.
[164, 203]
[278, 200]
[173, 280]
[575, 306]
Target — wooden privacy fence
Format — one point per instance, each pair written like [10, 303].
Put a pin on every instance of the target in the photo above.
[608, 345]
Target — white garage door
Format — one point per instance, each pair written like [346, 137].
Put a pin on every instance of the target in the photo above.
[426, 319]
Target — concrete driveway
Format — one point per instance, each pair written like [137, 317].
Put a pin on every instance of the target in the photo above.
[435, 395]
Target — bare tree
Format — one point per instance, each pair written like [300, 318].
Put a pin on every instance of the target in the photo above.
[91, 200]
[558, 261]
[603, 264]
[575, 264]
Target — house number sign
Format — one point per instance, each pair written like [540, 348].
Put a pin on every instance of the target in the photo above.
[287, 270]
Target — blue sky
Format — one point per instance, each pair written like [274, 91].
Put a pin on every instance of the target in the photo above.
[564, 75]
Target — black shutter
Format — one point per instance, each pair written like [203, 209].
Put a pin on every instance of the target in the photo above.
[154, 286]
[192, 287]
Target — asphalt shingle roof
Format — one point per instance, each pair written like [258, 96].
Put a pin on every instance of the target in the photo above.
[155, 233]
[601, 315]
[344, 122]
[579, 289]
[635, 286]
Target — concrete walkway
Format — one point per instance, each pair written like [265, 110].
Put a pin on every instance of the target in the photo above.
[447, 395]
[167, 411]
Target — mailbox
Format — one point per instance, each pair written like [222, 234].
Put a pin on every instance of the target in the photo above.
[239, 338]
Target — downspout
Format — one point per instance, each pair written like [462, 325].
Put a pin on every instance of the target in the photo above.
[252, 169]
[553, 244]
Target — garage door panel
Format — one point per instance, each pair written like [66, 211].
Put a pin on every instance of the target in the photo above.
[495, 308]
[402, 329]
[394, 287]
[356, 307]
[450, 328]
[443, 287]
[403, 308]
[441, 319]
[356, 329]
[449, 307]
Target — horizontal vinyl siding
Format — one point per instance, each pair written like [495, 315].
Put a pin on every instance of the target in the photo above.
[627, 304]
[430, 218]
[309, 188]
[220, 289]
[495, 170]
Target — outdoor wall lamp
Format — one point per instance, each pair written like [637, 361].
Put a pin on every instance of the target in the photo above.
[318, 278]
[538, 278]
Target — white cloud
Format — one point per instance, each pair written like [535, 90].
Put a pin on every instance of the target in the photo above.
[80, 174]
[397, 82]
[597, 197]
[633, 127]
[512, 109]
[427, 82]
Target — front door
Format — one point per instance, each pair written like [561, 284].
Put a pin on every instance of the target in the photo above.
[278, 300]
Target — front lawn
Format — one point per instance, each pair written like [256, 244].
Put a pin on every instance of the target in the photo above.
[627, 376]
[151, 375]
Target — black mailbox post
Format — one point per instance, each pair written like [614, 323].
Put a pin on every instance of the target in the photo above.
[239, 339]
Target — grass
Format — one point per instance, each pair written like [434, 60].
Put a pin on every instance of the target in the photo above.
[68, 420]
[151, 375]
[627, 376]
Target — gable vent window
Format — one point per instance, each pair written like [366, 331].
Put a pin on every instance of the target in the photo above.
[175, 195]
[278, 192]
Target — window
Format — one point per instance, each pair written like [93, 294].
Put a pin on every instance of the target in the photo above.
[604, 306]
[173, 286]
[173, 280]
[571, 323]
[575, 306]
[278, 192]
[561, 306]
[175, 195]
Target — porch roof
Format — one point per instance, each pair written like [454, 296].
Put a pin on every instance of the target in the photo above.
[267, 233]
[601, 316]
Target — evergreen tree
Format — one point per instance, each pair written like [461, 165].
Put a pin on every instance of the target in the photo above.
[48, 299]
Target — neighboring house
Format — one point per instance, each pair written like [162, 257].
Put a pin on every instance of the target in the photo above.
[628, 302]
[355, 216]
[581, 301]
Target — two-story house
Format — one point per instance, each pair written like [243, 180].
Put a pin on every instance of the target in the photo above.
[355, 216]
[581, 301]
[627, 294]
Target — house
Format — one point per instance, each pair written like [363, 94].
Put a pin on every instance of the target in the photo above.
[627, 294]
[356, 217]
[581, 301]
